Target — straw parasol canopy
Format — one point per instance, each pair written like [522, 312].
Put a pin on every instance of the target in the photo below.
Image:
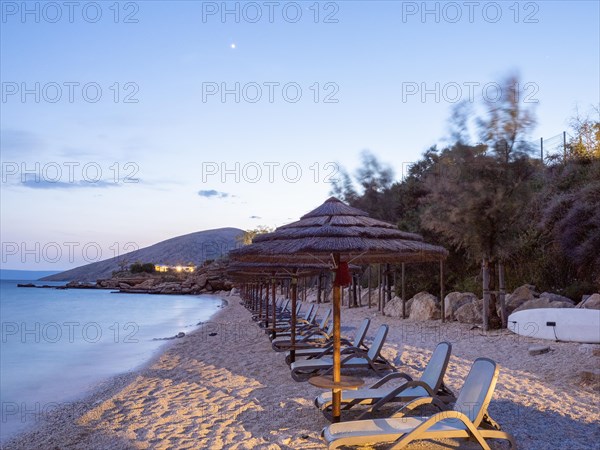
[338, 234]
[335, 227]
[259, 270]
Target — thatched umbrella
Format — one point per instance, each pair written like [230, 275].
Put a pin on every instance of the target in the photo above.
[271, 271]
[336, 234]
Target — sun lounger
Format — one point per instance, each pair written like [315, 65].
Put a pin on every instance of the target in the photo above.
[305, 336]
[380, 393]
[468, 419]
[320, 351]
[284, 325]
[302, 323]
[352, 358]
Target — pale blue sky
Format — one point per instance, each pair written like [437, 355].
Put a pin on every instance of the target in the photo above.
[173, 55]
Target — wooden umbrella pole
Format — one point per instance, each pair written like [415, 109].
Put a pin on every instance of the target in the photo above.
[380, 281]
[403, 292]
[319, 285]
[442, 293]
[337, 368]
[369, 286]
[267, 304]
[260, 303]
[273, 294]
[256, 298]
[294, 283]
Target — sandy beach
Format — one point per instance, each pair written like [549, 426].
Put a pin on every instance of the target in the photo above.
[231, 390]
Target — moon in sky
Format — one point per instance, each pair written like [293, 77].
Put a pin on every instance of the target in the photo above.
[233, 46]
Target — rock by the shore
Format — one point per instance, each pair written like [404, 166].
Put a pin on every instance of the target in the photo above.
[425, 306]
[79, 285]
[209, 278]
[470, 312]
[556, 298]
[114, 283]
[393, 308]
[146, 284]
[374, 297]
[455, 300]
[544, 302]
[592, 302]
[526, 297]
[518, 297]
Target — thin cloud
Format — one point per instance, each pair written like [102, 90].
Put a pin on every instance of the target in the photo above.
[211, 193]
[45, 184]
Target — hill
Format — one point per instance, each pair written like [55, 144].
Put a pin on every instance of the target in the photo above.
[192, 248]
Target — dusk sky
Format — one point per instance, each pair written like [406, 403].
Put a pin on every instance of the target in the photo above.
[125, 115]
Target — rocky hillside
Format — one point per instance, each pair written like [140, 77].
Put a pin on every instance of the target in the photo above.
[192, 248]
[207, 279]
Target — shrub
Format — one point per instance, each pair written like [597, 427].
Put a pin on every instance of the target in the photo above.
[141, 268]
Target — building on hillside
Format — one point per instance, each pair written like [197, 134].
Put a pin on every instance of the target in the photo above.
[167, 268]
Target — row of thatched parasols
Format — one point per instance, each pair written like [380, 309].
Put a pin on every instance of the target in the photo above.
[333, 235]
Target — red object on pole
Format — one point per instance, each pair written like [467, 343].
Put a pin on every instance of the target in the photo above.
[342, 275]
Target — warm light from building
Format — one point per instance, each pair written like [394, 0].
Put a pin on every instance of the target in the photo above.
[165, 268]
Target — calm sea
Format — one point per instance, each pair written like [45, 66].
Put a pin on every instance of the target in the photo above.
[57, 345]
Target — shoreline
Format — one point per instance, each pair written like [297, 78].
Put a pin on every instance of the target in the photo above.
[230, 390]
[40, 412]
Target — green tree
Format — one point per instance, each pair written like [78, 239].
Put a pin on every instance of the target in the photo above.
[507, 121]
[586, 140]
[248, 235]
[475, 200]
[138, 267]
[148, 268]
[369, 188]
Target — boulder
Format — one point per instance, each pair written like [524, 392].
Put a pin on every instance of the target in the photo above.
[218, 285]
[424, 307]
[527, 291]
[147, 284]
[393, 308]
[365, 297]
[470, 312]
[543, 302]
[592, 302]
[556, 298]
[455, 300]
[112, 283]
[518, 297]
[201, 280]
